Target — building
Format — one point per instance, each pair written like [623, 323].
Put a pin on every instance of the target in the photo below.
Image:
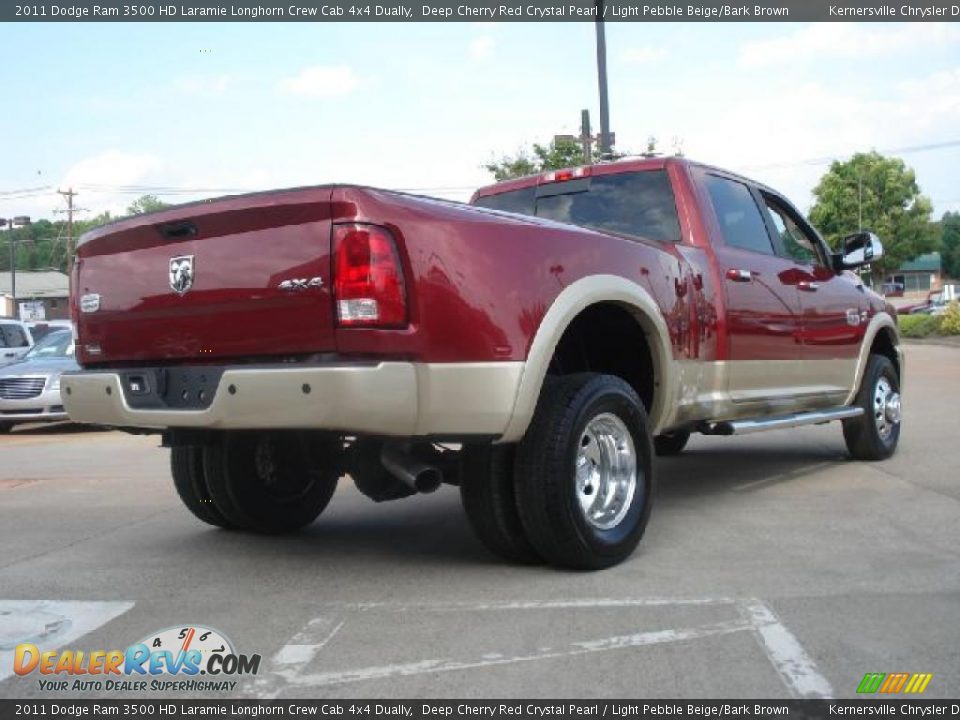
[49, 290]
[919, 276]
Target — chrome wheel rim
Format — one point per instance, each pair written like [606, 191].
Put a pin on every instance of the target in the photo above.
[606, 471]
[886, 408]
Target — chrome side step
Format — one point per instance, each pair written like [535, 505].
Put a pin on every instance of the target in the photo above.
[779, 422]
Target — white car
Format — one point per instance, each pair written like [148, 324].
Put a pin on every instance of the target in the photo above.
[15, 340]
[30, 388]
[40, 328]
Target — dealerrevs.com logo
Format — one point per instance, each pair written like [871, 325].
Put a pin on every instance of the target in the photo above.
[170, 660]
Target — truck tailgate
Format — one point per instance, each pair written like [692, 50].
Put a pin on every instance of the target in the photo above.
[245, 276]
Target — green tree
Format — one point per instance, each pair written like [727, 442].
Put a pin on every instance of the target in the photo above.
[145, 204]
[885, 193]
[42, 245]
[950, 244]
[558, 154]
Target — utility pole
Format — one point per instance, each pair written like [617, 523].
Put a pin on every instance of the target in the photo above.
[13, 262]
[69, 195]
[605, 150]
[17, 221]
[860, 203]
[585, 138]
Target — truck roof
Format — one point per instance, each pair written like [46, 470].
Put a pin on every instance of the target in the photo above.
[626, 165]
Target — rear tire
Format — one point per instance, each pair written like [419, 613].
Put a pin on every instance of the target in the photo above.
[489, 500]
[186, 466]
[875, 434]
[5, 428]
[272, 482]
[585, 472]
[671, 443]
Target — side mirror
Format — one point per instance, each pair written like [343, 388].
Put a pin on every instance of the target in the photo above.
[859, 249]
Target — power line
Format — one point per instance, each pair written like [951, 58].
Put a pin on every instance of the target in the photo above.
[830, 158]
[24, 190]
[25, 196]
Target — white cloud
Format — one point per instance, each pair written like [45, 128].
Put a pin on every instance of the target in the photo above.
[322, 81]
[936, 96]
[111, 167]
[770, 137]
[481, 48]
[644, 55]
[205, 84]
[819, 41]
[97, 177]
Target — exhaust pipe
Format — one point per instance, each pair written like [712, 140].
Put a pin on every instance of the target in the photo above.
[412, 472]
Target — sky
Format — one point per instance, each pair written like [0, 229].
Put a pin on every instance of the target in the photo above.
[113, 109]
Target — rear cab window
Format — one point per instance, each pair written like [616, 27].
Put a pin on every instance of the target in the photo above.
[637, 204]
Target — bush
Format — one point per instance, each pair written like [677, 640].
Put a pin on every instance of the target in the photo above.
[950, 320]
[919, 326]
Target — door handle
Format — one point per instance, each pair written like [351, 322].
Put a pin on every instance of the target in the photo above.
[739, 275]
[808, 286]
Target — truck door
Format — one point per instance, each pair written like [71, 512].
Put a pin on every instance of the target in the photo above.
[762, 307]
[833, 307]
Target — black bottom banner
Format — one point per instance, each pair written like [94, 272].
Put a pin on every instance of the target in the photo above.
[471, 709]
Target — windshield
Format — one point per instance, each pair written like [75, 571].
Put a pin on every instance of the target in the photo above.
[55, 344]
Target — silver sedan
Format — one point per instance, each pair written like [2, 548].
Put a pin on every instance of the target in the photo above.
[30, 388]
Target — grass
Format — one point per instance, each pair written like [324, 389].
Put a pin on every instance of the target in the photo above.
[922, 326]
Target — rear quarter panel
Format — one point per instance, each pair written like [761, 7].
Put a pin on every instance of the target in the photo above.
[481, 281]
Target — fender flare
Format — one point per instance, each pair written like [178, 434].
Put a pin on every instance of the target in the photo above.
[878, 323]
[575, 298]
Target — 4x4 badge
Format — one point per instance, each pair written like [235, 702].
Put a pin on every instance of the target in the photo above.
[181, 274]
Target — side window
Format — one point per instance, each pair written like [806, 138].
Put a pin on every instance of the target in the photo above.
[12, 336]
[740, 220]
[797, 244]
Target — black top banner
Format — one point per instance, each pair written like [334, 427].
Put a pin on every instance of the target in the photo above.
[474, 10]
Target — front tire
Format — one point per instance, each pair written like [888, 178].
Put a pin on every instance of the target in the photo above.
[272, 482]
[490, 502]
[585, 472]
[875, 434]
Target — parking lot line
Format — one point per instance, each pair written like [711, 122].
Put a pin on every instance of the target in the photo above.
[291, 660]
[50, 623]
[797, 669]
[288, 668]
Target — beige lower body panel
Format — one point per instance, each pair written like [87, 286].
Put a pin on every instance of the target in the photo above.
[731, 390]
[390, 398]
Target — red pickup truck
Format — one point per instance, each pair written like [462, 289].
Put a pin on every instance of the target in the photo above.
[536, 347]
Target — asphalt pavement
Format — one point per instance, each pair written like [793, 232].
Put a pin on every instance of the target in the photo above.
[773, 566]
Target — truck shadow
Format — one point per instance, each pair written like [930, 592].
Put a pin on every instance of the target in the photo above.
[433, 530]
[741, 467]
[55, 428]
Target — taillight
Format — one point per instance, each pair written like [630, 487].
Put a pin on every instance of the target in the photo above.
[367, 277]
[75, 293]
